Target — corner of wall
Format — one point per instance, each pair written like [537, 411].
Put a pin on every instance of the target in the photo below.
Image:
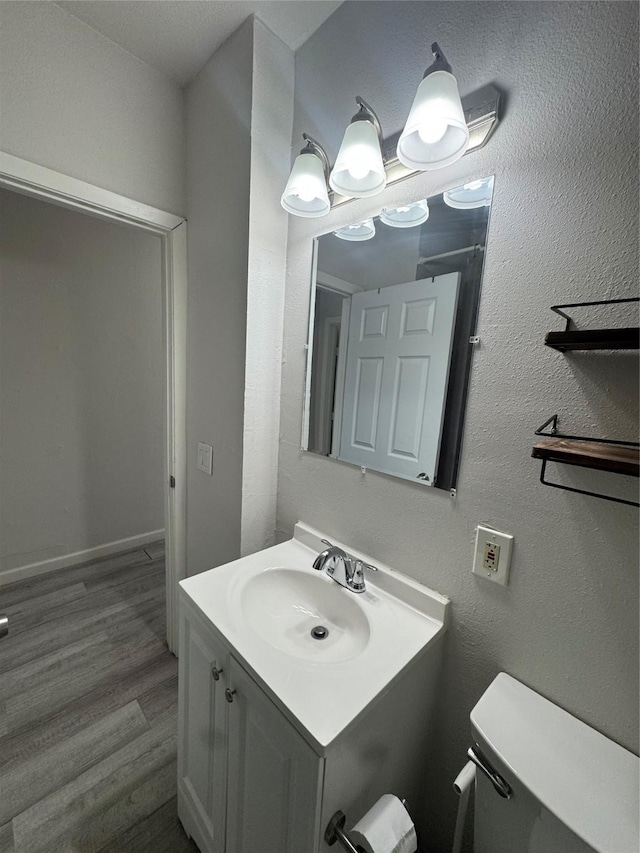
[218, 121]
[271, 128]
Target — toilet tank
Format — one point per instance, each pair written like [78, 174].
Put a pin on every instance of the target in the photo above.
[573, 790]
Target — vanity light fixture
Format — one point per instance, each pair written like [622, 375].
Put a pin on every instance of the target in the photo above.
[406, 216]
[357, 233]
[436, 133]
[359, 168]
[471, 195]
[306, 191]
[439, 130]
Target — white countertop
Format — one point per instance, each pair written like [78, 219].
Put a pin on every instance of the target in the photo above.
[323, 697]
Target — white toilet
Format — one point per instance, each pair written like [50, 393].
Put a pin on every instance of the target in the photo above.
[570, 789]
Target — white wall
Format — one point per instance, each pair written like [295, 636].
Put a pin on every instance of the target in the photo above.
[239, 119]
[81, 382]
[218, 109]
[75, 102]
[271, 125]
[563, 228]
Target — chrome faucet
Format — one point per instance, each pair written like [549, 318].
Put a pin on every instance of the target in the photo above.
[344, 568]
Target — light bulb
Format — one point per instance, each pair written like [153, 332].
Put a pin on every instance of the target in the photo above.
[474, 185]
[433, 130]
[358, 171]
[359, 163]
[306, 192]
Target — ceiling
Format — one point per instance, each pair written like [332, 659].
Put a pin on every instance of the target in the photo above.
[177, 37]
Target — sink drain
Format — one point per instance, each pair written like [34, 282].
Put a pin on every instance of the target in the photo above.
[319, 632]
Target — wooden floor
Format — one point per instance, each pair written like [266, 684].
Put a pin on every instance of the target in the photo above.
[88, 712]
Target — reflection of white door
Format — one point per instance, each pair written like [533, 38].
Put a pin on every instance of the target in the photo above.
[396, 380]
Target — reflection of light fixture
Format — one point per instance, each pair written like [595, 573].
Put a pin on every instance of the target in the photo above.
[359, 169]
[475, 194]
[406, 216]
[436, 133]
[306, 191]
[356, 233]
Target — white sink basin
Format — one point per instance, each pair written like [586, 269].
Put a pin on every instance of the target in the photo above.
[305, 614]
[266, 604]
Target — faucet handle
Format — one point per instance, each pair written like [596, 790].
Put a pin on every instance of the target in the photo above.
[357, 578]
[327, 543]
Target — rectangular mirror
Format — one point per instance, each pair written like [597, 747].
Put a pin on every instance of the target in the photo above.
[394, 305]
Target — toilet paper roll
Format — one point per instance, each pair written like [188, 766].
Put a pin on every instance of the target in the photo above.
[386, 828]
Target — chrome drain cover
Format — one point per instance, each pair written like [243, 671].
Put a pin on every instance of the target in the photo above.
[319, 632]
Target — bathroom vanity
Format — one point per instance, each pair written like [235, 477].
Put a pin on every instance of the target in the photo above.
[280, 723]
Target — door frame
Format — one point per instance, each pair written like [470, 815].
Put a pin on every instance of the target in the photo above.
[39, 182]
[326, 363]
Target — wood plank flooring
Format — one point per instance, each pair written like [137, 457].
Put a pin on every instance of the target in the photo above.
[88, 711]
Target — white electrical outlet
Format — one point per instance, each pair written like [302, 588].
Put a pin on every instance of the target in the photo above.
[205, 458]
[492, 555]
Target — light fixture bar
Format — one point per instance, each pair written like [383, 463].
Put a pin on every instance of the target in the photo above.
[481, 113]
[314, 147]
[369, 114]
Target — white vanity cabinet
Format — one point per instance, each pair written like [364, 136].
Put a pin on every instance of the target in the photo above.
[247, 781]
[278, 728]
[274, 776]
[202, 733]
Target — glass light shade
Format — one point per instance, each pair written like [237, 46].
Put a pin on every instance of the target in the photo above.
[359, 170]
[436, 133]
[474, 194]
[406, 216]
[306, 191]
[357, 233]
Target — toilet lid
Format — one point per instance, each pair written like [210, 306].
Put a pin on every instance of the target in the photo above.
[586, 780]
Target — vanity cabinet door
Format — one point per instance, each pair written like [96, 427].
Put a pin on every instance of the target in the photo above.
[202, 740]
[274, 776]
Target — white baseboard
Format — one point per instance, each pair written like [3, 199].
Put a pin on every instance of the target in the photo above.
[20, 573]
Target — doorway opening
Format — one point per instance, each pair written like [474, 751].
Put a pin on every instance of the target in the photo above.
[47, 185]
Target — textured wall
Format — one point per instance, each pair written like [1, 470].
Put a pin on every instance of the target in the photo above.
[218, 173]
[82, 382]
[271, 123]
[563, 228]
[75, 102]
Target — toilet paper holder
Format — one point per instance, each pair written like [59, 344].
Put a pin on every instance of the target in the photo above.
[335, 832]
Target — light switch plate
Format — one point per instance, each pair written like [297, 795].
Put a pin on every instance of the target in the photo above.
[205, 458]
[492, 555]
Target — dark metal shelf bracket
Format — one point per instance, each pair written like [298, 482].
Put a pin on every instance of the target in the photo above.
[558, 308]
[582, 491]
[555, 433]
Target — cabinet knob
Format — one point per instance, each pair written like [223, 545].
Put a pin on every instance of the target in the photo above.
[216, 673]
[229, 694]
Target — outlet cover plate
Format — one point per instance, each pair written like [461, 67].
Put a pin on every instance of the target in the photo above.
[497, 547]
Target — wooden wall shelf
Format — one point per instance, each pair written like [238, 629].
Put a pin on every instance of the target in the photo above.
[590, 454]
[616, 457]
[588, 339]
[591, 339]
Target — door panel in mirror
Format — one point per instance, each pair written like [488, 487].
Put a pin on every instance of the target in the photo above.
[396, 375]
